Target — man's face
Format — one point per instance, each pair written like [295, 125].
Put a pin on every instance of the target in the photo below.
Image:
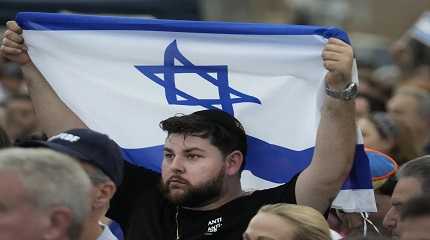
[21, 117]
[18, 218]
[406, 188]
[404, 108]
[415, 228]
[193, 171]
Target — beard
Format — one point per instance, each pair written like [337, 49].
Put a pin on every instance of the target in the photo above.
[196, 196]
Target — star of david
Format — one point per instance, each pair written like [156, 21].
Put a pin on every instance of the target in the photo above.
[179, 97]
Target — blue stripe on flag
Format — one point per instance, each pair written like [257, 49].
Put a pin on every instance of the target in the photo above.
[54, 21]
[267, 161]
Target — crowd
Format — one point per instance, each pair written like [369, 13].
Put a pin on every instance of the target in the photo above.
[61, 180]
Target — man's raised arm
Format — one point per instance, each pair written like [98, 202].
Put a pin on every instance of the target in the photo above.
[319, 184]
[54, 116]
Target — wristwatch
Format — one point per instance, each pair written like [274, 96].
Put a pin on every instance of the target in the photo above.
[349, 93]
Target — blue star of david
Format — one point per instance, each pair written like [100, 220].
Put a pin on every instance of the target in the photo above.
[169, 69]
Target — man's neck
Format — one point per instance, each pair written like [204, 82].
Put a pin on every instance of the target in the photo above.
[92, 229]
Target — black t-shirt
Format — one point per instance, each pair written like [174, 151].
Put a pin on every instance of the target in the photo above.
[144, 213]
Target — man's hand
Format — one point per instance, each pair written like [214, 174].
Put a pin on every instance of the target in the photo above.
[13, 47]
[337, 58]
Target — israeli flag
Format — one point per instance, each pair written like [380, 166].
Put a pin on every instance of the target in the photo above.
[122, 76]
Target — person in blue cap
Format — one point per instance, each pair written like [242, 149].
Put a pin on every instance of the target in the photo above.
[101, 158]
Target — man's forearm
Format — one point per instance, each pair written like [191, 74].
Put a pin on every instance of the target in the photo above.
[53, 115]
[336, 140]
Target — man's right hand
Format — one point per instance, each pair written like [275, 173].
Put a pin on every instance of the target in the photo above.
[13, 47]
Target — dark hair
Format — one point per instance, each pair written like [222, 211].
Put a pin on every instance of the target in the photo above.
[384, 124]
[387, 187]
[416, 207]
[223, 130]
[418, 168]
[420, 52]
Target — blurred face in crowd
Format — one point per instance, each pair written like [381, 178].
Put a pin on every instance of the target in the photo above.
[371, 136]
[193, 171]
[404, 108]
[269, 226]
[383, 204]
[12, 85]
[19, 219]
[362, 106]
[416, 228]
[401, 53]
[406, 188]
[20, 117]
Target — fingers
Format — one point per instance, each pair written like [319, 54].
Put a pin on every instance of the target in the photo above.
[12, 42]
[8, 43]
[10, 51]
[13, 36]
[331, 65]
[336, 50]
[13, 26]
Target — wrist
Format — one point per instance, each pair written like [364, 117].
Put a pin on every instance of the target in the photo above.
[344, 91]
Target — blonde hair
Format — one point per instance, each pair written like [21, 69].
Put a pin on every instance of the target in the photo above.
[309, 223]
[51, 179]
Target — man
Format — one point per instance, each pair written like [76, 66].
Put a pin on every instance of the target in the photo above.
[20, 118]
[204, 153]
[100, 157]
[415, 219]
[36, 198]
[413, 180]
[411, 106]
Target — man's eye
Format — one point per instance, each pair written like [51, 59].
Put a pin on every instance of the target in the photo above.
[168, 155]
[193, 156]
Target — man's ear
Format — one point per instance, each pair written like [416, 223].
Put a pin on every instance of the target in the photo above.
[59, 223]
[233, 163]
[105, 192]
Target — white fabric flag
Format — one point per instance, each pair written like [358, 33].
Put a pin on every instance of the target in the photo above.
[122, 76]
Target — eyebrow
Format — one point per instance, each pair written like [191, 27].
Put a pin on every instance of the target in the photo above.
[194, 149]
[166, 149]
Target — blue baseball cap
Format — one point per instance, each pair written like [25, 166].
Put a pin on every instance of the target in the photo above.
[88, 146]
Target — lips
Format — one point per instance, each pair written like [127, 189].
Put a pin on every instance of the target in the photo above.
[177, 181]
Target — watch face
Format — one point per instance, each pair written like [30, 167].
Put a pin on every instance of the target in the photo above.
[351, 91]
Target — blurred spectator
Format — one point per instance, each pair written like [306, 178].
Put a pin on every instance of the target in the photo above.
[382, 133]
[415, 219]
[11, 80]
[411, 53]
[101, 158]
[21, 121]
[413, 180]
[411, 106]
[287, 221]
[43, 193]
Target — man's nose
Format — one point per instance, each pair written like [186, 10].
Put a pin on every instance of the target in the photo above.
[390, 221]
[177, 165]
